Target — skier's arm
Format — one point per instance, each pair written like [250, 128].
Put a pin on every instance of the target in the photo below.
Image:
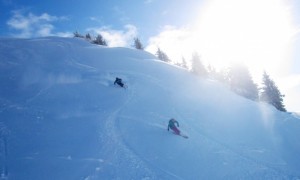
[168, 127]
[177, 123]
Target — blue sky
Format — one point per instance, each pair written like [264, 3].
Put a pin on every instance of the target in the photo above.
[148, 16]
[263, 34]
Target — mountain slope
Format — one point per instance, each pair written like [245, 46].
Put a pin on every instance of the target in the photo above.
[63, 118]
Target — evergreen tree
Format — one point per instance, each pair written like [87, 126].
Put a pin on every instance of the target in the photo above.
[77, 34]
[197, 65]
[222, 75]
[88, 37]
[183, 63]
[241, 82]
[271, 94]
[100, 40]
[138, 44]
[212, 73]
[162, 55]
[219, 75]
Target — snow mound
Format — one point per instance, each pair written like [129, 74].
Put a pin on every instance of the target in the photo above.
[62, 118]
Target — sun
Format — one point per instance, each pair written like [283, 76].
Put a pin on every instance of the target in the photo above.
[256, 33]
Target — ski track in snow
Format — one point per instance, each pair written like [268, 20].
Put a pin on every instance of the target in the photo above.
[122, 155]
[276, 172]
[122, 150]
[42, 91]
[131, 154]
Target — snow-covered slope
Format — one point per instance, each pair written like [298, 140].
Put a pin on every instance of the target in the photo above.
[62, 118]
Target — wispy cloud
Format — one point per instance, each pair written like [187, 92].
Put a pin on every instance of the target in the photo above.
[29, 25]
[96, 19]
[116, 38]
[176, 42]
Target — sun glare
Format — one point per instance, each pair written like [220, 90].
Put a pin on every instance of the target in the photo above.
[254, 32]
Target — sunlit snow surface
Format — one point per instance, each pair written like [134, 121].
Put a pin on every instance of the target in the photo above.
[61, 117]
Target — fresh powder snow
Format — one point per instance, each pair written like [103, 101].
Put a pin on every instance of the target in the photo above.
[62, 117]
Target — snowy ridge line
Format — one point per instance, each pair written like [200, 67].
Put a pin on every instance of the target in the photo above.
[296, 115]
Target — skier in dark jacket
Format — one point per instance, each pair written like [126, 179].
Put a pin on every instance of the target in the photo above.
[119, 82]
[172, 125]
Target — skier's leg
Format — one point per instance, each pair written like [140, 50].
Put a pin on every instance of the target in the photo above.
[176, 130]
